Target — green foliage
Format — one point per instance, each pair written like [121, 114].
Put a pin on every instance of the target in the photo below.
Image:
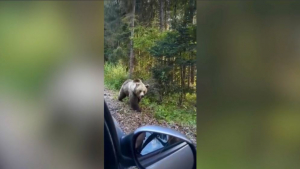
[162, 75]
[145, 37]
[165, 59]
[166, 46]
[116, 34]
[171, 113]
[114, 75]
[175, 49]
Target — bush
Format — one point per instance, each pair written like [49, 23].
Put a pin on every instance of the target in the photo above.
[114, 75]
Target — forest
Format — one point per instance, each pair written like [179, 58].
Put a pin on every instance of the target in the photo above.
[154, 40]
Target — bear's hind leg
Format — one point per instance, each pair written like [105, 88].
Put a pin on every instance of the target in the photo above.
[122, 95]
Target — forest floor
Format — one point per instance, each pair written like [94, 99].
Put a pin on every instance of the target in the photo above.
[129, 120]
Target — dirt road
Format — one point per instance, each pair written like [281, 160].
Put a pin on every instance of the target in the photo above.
[130, 120]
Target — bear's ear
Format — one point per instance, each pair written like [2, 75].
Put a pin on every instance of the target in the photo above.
[147, 86]
[136, 80]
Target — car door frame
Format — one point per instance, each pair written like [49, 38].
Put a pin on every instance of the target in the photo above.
[124, 158]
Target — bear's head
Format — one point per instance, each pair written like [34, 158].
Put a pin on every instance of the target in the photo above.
[140, 89]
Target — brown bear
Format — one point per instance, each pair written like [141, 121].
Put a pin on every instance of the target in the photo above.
[135, 90]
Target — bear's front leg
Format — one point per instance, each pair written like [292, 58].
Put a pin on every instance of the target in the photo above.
[134, 103]
[137, 108]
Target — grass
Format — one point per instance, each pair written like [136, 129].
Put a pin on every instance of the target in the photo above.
[171, 113]
[115, 75]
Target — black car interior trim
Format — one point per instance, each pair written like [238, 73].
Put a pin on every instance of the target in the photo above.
[124, 161]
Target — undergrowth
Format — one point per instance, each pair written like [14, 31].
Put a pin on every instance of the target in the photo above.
[171, 113]
[114, 75]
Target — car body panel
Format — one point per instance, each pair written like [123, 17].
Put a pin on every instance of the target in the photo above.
[177, 158]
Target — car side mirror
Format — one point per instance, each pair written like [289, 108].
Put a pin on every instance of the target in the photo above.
[155, 147]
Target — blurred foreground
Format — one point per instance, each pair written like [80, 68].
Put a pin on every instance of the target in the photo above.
[248, 86]
[51, 85]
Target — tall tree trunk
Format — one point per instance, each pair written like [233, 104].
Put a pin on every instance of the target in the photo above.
[189, 75]
[162, 14]
[131, 64]
[165, 13]
[174, 71]
[168, 11]
[182, 79]
[175, 14]
[192, 9]
[189, 12]
[171, 71]
[139, 66]
[192, 73]
[183, 87]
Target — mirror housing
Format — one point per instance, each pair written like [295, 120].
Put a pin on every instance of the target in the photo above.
[184, 145]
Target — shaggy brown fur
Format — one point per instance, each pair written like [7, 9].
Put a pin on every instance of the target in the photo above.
[135, 90]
